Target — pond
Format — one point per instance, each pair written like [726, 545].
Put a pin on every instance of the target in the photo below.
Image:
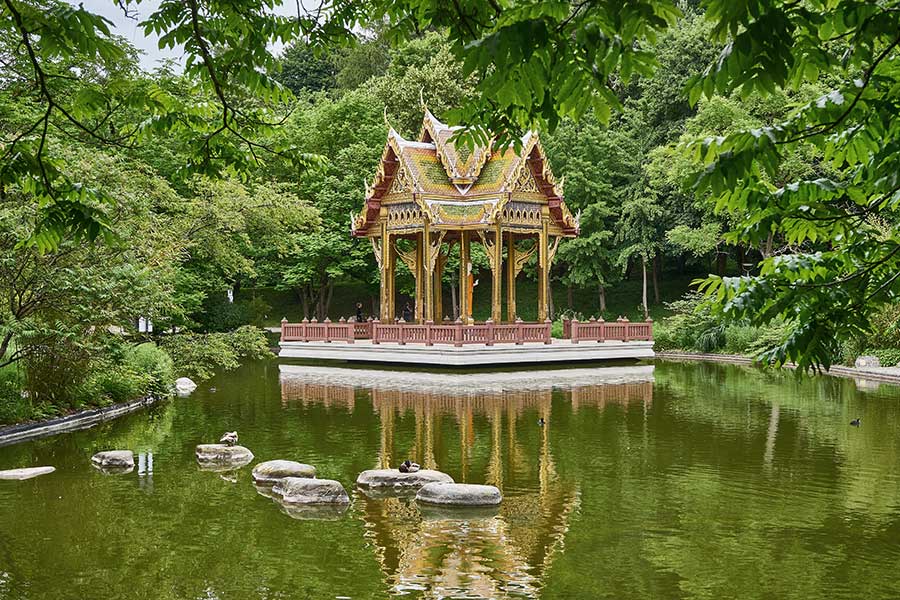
[683, 481]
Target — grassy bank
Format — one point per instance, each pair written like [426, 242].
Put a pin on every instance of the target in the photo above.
[624, 298]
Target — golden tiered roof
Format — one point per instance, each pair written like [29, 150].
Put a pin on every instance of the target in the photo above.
[455, 186]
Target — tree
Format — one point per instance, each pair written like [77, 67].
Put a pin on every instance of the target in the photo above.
[302, 70]
[66, 72]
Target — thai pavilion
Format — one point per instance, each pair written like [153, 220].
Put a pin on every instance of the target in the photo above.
[436, 192]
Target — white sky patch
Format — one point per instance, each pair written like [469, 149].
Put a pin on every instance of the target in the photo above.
[152, 56]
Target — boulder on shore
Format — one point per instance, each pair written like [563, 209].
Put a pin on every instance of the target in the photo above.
[25, 473]
[303, 490]
[867, 361]
[114, 459]
[271, 471]
[184, 386]
[221, 455]
[393, 478]
[459, 494]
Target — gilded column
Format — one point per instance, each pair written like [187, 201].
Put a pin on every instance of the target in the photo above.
[511, 277]
[383, 257]
[465, 311]
[438, 286]
[391, 260]
[427, 273]
[497, 277]
[544, 268]
[421, 240]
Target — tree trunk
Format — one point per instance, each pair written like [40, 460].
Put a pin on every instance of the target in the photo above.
[602, 292]
[656, 278]
[453, 301]
[721, 262]
[374, 306]
[644, 287]
[550, 308]
[304, 299]
[569, 298]
[767, 248]
[328, 297]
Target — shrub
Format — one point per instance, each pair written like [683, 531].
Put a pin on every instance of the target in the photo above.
[14, 407]
[249, 342]
[663, 337]
[199, 355]
[155, 364]
[108, 384]
[887, 356]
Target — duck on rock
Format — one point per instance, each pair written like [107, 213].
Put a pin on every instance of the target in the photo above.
[408, 467]
[229, 438]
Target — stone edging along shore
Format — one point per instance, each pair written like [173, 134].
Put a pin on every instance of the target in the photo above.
[79, 420]
[880, 374]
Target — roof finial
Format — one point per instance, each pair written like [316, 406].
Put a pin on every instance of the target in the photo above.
[386, 123]
[422, 99]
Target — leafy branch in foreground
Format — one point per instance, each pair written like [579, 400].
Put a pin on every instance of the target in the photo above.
[80, 84]
[535, 62]
[841, 249]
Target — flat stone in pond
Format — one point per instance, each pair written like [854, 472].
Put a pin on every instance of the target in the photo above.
[392, 478]
[26, 473]
[459, 494]
[271, 471]
[302, 490]
[114, 459]
[221, 455]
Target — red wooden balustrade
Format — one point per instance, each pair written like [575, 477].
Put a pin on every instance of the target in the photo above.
[456, 334]
[595, 330]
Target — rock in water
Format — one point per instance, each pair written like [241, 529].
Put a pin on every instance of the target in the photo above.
[867, 361]
[221, 455]
[184, 386]
[459, 494]
[393, 478]
[302, 490]
[272, 471]
[114, 459]
[26, 473]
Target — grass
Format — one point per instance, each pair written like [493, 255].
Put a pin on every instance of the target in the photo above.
[624, 298]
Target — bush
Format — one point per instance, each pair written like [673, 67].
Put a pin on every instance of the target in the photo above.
[198, 355]
[887, 356]
[109, 384]
[692, 326]
[14, 407]
[664, 337]
[155, 364]
[740, 338]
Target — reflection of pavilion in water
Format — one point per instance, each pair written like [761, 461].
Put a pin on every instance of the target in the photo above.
[498, 556]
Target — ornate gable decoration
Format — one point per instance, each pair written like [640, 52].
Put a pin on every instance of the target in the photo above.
[523, 180]
[402, 182]
[461, 163]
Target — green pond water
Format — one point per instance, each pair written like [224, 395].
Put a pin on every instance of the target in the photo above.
[690, 481]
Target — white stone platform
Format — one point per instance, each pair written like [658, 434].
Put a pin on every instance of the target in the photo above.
[560, 351]
[464, 384]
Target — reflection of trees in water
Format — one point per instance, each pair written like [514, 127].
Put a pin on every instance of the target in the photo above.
[790, 414]
[483, 556]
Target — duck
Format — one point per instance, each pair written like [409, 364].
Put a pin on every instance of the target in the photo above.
[541, 422]
[855, 422]
[229, 438]
[408, 467]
